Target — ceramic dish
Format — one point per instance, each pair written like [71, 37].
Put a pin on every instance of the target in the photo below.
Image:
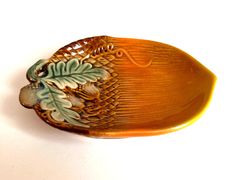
[118, 87]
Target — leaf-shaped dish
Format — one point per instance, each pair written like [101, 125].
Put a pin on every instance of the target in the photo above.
[118, 87]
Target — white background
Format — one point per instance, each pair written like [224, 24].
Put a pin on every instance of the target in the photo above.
[32, 150]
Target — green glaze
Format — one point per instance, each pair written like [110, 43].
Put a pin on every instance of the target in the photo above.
[55, 100]
[73, 73]
[57, 77]
[32, 74]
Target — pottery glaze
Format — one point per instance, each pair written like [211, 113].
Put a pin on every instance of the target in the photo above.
[110, 87]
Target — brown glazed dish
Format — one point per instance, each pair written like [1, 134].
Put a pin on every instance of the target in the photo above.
[110, 87]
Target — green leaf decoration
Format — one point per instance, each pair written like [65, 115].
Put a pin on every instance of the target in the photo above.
[54, 100]
[60, 75]
[72, 73]
[32, 71]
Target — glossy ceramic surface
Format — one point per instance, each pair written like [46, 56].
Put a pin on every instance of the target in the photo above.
[118, 87]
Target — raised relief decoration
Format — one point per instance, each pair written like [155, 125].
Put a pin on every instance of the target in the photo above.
[117, 87]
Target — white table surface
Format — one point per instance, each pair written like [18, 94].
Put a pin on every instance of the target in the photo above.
[32, 150]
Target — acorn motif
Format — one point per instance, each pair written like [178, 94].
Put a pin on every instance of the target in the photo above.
[118, 87]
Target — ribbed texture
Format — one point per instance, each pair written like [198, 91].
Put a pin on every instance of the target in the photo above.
[100, 113]
[170, 91]
[153, 86]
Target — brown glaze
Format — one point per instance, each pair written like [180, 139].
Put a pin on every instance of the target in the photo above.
[153, 88]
